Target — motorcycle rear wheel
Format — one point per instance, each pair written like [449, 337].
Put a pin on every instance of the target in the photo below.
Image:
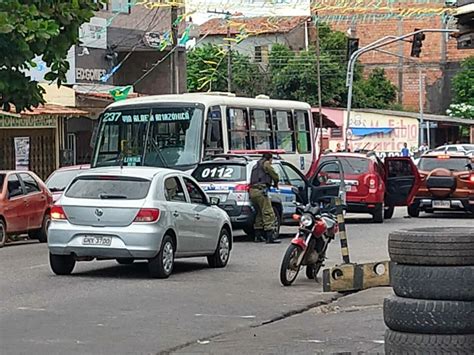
[289, 270]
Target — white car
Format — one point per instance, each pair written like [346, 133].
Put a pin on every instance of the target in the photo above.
[452, 148]
[134, 213]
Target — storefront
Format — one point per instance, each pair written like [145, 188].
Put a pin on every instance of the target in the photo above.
[34, 140]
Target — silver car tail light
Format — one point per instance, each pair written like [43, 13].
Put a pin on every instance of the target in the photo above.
[147, 215]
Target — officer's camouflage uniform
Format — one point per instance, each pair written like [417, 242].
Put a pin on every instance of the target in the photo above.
[263, 175]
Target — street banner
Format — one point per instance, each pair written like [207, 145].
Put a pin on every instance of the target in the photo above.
[201, 10]
[22, 153]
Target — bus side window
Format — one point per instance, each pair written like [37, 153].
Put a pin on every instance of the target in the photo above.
[303, 132]
[284, 131]
[214, 143]
[238, 126]
[261, 129]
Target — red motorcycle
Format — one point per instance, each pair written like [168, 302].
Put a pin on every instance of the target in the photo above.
[308, 248]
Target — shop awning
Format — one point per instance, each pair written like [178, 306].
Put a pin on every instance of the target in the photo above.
[364, 131]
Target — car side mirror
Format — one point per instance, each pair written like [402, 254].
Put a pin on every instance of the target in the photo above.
[214, 201]
[469, 166]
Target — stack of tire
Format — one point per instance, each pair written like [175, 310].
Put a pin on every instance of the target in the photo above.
[432, 275]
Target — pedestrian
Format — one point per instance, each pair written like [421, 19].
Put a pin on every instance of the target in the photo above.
[405, 151]
[262, 178]
[423, 148]
[338, 148]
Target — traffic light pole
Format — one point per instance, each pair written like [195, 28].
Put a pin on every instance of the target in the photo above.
[382, 42]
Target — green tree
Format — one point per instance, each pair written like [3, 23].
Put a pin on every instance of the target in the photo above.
[463, 83]
[207, 71]
[463, 89]
[31, 28]
[374, 92]
[294, 75]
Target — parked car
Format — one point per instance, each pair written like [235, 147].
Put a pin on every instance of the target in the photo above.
[454, 148]
[227, 176]
[134, 213]
[376, 187]
[60, 179]
[447, 183]
[24, 205]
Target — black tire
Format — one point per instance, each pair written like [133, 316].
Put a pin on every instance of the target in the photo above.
[432, 246]
[249, 230]
[427, 316]
[125, 261]
[277, 225]
[42, 233]
[309, 272]
[161, 266]
[221, 256]
[453, 283]
[413, 211]
[3, 233]
[388, 212]
[62, 264]
[377, 214]
[292, 252]
[397, 343]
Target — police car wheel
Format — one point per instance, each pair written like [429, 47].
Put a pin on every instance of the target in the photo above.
[277, 223]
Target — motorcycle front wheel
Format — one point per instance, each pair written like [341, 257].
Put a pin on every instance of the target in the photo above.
[289, 266]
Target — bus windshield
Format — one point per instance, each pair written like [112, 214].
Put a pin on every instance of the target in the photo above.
[159, 136]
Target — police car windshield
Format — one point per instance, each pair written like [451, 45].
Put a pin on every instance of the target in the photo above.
[220, 172]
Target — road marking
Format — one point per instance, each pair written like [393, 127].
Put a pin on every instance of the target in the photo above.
[34, 267]
[378, 341]
[311, 341]
[224, 316]
[203, 342]
[31, 309]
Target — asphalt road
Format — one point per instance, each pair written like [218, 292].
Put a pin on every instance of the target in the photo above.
[106, 308]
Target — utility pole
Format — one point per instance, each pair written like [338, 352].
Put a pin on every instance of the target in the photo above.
[229, 47]
[229, 56]
[318, 73]
[384, 41]
[420, 89]
[175, 49]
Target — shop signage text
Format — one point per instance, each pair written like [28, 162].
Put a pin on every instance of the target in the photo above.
[27, 122]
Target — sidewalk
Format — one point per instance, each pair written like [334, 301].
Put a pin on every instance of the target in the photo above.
[351, 324]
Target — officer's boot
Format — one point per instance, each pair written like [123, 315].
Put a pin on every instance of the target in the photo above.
[258, 236]
[270, 237]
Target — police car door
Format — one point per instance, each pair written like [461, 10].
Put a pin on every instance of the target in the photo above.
[284, 196]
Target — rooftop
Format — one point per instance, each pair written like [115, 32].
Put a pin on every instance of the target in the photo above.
[251, 25]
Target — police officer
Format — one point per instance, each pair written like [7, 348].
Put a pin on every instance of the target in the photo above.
[262, 178]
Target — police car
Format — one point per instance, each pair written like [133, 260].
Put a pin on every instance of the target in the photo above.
[227, 176]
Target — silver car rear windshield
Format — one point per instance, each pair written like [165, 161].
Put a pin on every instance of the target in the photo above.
[220, 172]
[109, 187]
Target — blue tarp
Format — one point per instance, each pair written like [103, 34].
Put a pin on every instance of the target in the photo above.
[369, 131]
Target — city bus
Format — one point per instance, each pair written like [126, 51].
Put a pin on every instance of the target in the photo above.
[179, 131]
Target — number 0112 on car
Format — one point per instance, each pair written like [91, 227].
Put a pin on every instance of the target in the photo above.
[96, 240]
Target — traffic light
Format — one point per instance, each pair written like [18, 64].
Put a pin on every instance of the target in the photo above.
[417, 43]
[352, 46]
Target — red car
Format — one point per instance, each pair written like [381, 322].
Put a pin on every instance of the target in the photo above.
[60, 179]
[376, 187]
[24, 205]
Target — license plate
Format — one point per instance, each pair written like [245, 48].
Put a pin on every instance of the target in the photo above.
[441, 204]
[95, 240]
[351, 188]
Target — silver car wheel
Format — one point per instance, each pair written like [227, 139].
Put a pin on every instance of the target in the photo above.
[168, 257]
[224, 248]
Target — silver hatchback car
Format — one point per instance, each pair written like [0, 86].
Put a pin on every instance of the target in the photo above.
[133, 213]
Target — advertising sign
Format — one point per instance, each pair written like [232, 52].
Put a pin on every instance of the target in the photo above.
[200, 10]
[22, 153]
